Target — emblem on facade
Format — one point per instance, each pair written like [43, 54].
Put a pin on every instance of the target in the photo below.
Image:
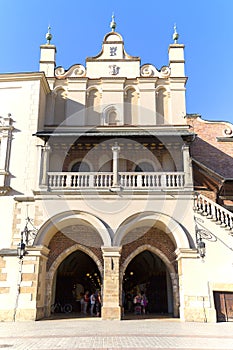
[113, 51]
[114, 69]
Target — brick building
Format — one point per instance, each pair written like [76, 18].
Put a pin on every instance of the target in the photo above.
[108, 184]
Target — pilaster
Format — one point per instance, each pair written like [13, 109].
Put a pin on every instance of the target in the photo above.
[111, 289]
[187, 166]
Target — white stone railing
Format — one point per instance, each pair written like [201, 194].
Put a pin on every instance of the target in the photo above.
[213, 211]
[134, 180]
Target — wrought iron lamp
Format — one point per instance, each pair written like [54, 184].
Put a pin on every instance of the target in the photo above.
[21, 248]
[200, 246]
[27, 237]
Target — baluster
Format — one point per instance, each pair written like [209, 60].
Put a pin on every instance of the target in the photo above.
[163, 180]
[49, 180]
[213, 211]
[139, 180]
[91, 180]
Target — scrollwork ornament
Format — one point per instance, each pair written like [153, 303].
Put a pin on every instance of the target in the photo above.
[79, 71]
[228, 132]
[59, 71]
[165, 72]
[147, 71]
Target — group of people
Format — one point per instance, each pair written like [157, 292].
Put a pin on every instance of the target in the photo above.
[137, 303]
[140, 303]
[91, 303]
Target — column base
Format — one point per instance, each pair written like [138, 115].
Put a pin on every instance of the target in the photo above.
[111, 313]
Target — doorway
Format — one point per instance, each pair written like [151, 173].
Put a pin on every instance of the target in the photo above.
[147, 274]
[77, 274]
[224, 306]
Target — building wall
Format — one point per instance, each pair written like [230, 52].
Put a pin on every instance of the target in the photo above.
[113, 226]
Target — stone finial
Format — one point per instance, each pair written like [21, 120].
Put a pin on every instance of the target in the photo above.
[175, 35]
[113, 23]
[48, 36]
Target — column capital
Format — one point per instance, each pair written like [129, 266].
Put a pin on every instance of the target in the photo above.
[111, 251]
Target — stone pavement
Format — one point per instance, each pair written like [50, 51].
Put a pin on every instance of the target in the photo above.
[93, 333]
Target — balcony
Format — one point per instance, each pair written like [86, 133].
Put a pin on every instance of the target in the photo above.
[105, 180]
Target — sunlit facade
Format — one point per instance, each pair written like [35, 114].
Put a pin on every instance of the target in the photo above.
[112, 186]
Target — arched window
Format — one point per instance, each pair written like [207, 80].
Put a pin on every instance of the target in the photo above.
[81, 167]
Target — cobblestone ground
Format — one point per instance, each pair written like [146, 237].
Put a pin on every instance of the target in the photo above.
[92, 333]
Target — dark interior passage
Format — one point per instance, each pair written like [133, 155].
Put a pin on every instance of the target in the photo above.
[77, 274]
[147, 273]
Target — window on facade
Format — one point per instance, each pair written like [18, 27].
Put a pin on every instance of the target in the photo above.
[80, 167]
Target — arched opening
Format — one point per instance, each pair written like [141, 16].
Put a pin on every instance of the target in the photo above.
[80, 167]
[144, 167]
[76, 275]
[147, 274]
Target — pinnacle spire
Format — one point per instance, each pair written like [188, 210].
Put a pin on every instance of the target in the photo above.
[48, 36]
[175, 35]
[113, 23]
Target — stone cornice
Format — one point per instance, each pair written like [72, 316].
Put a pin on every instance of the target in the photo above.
[27, 76]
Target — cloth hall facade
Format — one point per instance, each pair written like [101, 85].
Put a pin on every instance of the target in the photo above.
[107, 183]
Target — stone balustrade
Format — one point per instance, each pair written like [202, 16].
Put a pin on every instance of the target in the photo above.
[213, 211]
[127, 180]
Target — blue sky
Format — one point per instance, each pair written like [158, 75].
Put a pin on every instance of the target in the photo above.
[78, 28]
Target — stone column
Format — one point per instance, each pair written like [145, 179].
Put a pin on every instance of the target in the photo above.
[111, 309]
[115, 151]
[45, 164]
[187, 166]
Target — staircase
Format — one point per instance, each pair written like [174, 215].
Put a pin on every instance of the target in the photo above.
[214, 212]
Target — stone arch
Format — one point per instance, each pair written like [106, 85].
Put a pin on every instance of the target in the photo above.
[146, 164]
[163, 221]
[169, 266]
[111, 115]
[51, 273]
[82, 165]
[62, 220]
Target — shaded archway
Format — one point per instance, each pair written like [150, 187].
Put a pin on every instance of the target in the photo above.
[147, 273]
[76, 274]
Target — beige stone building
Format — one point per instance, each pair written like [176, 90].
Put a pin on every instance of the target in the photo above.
[99, 190]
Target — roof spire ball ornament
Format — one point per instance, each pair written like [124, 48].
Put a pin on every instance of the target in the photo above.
[175, 35]
[113, 23]
[48, 36]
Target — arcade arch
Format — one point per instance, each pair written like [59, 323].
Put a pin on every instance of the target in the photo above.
[74, 270]
[148, 270]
